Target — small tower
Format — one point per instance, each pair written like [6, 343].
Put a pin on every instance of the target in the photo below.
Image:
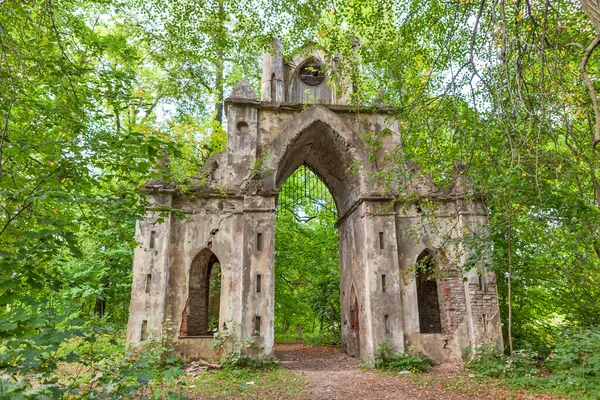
[273, 86]
[304, 79]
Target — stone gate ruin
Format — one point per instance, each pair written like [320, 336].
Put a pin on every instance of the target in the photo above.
[304, 119]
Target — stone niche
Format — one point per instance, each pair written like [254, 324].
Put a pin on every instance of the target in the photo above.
[402, 280]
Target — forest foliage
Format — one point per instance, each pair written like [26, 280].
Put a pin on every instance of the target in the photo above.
[93, 92]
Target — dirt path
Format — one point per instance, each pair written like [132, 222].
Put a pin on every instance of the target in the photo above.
[333, 375]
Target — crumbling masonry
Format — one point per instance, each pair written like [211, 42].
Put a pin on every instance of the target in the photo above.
[303, 118]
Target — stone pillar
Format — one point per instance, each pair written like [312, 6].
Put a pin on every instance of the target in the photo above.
[382, 278]
[231, 242]
[150, 273]
[369, 263]
[273, 86]
[258, 280]
[351, 278]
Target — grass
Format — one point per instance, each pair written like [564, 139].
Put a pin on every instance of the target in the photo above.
[241, 384]
[274, 382]
[311, 338]
[463, 385]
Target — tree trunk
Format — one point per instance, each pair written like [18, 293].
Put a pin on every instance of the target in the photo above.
[219, 90]
[219, 70]
[510, 274]
[592, 9]
[100, 306]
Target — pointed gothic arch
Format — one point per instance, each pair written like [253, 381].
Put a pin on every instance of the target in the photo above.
[426, 279]
[234, 209]
[354, 345]
[204, 291]
[320, 139]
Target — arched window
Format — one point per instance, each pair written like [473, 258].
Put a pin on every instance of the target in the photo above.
[273, 88]
[309, 84]
[354, 322]
[201, 314]
[427, 294]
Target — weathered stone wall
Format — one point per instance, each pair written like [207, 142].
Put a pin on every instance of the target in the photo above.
[213, 225]
[384, 312]
[150, 273]
[355, 337]
[438, 229]
[452, 299]
[481, 290]
[259, 258]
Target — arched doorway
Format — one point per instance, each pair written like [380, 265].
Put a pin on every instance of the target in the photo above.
[232, 208]
[201, 314]
[320, 141]
[307, 269]
[427, 293]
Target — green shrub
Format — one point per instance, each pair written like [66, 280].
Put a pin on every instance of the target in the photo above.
[522, 369]
[287, 337]
[575, 363]
[318, 338]
[573, 366]
[119, 373]
[387, 359]
[237, 361]
[488, 361]
[99, 364]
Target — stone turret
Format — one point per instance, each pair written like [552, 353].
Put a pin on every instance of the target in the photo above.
[273, 83]
[305, 78]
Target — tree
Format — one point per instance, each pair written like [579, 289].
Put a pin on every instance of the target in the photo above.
[78, 138]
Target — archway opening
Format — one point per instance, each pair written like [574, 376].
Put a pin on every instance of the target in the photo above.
[201, 314]
[307, 267]
[427, 294]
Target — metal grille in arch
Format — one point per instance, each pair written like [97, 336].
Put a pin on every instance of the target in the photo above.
[305, 196]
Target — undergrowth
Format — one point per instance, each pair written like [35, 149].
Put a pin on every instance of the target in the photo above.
[386, 359]
[238, 361]
[96, 365]
[241, 353]
[99, 364]
[572, 368]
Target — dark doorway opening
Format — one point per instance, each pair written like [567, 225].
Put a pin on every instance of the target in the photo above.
[201, 313]
[427, 294]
